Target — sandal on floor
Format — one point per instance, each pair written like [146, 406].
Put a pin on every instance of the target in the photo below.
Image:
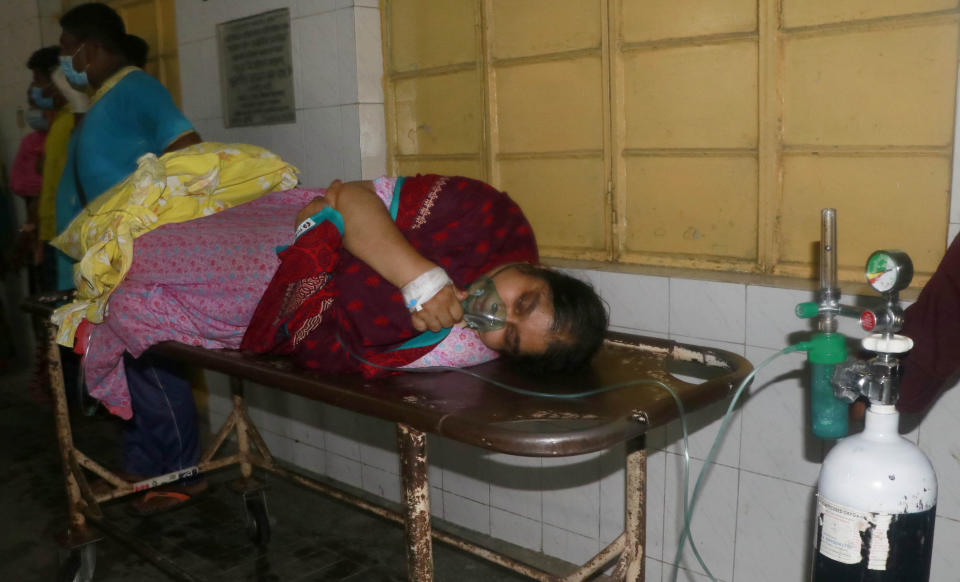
[162, 500]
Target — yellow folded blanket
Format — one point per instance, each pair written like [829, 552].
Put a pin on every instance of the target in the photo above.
[190, 183]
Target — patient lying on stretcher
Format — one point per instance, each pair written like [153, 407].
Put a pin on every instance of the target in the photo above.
[363, 273]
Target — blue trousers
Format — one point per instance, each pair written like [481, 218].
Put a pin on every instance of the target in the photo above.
[162, 435]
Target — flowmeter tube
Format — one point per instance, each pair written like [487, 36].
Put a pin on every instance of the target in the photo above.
[828, 249]
[828, 348]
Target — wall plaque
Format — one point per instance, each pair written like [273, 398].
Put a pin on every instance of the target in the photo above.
[256, 70]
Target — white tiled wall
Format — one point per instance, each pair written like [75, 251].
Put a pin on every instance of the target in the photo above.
[337, 64]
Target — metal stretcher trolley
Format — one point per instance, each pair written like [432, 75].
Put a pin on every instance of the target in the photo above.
[458, 407]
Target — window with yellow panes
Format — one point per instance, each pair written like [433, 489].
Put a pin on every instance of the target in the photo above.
[703, 134]
[154, 21]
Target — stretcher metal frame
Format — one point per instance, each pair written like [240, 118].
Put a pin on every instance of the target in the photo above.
[613, 417]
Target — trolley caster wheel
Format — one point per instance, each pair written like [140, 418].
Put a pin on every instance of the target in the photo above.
[258, 520]
[79, 565]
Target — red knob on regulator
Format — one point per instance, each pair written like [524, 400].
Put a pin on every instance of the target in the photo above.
[868, 320]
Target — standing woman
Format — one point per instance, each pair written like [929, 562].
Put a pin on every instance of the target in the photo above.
[131, 114]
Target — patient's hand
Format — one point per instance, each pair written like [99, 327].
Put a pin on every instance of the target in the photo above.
[312, 207]
[443, 310]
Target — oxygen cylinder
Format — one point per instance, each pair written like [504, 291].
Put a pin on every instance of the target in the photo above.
[877, 492]
[876, 506]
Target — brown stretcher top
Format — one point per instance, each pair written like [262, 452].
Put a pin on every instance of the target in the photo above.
[473, 411]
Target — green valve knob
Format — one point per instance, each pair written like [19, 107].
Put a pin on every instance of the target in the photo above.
[807, 310]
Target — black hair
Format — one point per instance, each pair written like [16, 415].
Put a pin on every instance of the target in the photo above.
[579, 323]
[96, 21]
[44, 60]
[136, 50]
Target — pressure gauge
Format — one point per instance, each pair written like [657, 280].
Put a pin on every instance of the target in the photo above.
[889, 271]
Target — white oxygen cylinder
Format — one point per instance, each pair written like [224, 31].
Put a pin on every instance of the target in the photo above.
[876, 506]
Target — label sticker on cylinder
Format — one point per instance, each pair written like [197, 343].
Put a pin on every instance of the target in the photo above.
[844, 531]
[840, 529]
[879, 542]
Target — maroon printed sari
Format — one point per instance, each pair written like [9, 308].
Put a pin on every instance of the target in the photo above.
[322, 299]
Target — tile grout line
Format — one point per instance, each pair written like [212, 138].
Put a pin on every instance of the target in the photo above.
[736, 514]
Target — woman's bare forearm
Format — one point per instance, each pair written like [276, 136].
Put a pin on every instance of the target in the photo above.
[371, 235]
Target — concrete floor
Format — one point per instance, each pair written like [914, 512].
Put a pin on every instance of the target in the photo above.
[313, 538]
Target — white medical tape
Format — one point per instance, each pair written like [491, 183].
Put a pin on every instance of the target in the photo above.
[424, 288]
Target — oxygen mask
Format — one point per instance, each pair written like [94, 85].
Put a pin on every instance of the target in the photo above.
[483, 309]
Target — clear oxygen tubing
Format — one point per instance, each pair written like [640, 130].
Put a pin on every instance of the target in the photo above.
[689, 508]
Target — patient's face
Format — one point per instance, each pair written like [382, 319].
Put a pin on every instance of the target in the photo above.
[529, 308]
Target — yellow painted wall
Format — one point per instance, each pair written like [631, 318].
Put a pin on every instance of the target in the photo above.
[690, 133]
[155, 21]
